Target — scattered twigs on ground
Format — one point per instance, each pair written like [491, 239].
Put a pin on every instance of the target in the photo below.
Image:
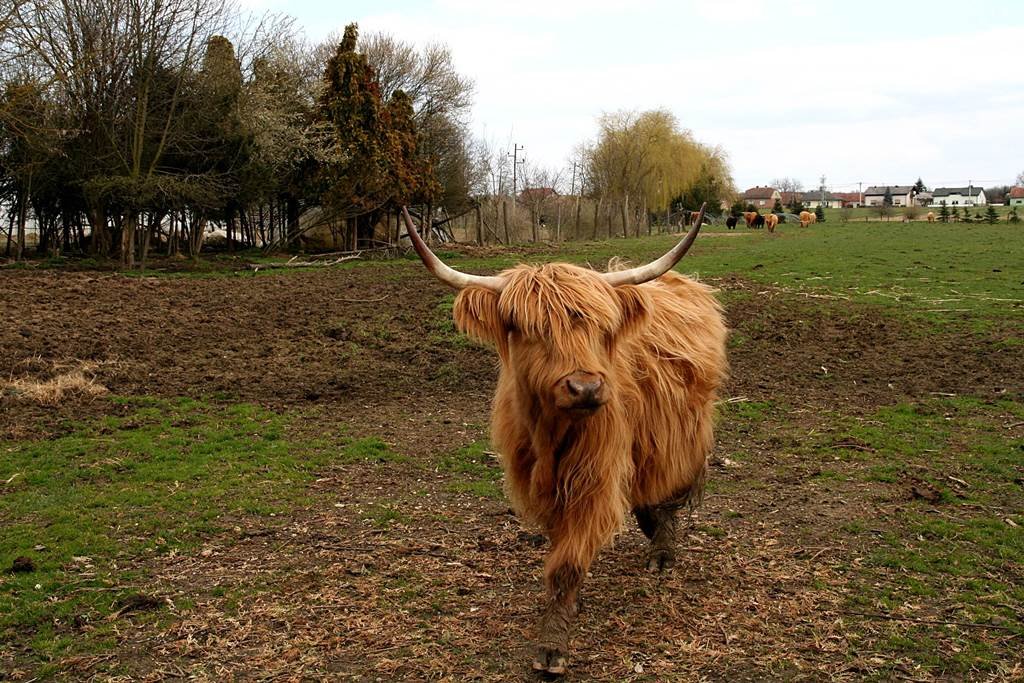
[930, 622]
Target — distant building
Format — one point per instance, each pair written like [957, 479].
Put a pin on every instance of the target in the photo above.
[850, 200]
[902, 195]
[923, 198]
[1016, 196]
[958, 196]
[790, 198]
[761, 197]
[813, 199]
[537, 193]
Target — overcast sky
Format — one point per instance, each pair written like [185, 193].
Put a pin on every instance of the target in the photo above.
[879, 92]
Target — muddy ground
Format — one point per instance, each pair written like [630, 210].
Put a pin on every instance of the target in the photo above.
[451, 589]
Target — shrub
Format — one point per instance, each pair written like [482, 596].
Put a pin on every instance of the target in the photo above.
[991, 217]
[820, 213]
[845, 213]
[912, 213]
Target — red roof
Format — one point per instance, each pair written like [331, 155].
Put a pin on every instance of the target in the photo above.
[537, 193]
[759, 193]
[848, 196]
[1017, 193]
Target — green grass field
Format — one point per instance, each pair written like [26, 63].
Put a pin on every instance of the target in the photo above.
[919, 575]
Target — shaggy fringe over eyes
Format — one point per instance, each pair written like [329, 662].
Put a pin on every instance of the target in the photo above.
[548, 301]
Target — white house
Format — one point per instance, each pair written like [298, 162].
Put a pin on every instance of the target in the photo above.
[1016, 196]
[813, 199]
[958, 196]
[902, 195]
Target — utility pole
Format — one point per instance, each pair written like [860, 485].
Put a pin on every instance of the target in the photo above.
[515, 177]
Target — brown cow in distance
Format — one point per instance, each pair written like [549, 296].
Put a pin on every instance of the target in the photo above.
[749, 217]
[931, 216]
[805, 218]
[604, 404]
[770, 221]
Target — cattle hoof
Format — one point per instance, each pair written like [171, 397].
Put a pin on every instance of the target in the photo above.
[660, 560]
[550, 660]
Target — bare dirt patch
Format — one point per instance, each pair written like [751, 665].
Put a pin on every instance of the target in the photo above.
[374, 336]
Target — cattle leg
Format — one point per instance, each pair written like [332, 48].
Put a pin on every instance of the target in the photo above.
[658, 523]
[575, 542]
[552, 654]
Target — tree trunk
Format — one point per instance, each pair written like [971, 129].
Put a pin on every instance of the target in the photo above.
[597, 216]
[533, 222]
[128, 225]
[172, 235]
[479, 226]
[625, 213]
[65, 229]
[10, 234]
[147, 235]
[576, 232]
[292, 207]
[504, 213]
[22, 218]
[97, 216]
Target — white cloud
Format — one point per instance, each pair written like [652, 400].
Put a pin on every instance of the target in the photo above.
[735, 72]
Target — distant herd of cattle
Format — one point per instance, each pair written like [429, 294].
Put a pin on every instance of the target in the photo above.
[755, 220]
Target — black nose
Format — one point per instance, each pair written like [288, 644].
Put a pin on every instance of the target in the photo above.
[584, 389]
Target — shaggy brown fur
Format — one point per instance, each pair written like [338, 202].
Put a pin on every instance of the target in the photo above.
[770, 221]
[660, 350]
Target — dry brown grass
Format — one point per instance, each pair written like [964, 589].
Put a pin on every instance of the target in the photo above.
[74, 380]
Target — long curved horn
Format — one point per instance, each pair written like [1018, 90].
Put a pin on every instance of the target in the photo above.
[655, 269]
[444, 273]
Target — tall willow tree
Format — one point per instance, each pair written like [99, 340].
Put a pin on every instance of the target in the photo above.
[643, 161]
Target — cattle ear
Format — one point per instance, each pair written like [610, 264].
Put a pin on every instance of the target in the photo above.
[635, 305]
[476, 314]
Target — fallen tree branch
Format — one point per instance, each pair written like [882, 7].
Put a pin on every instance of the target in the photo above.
[365, 301]
[256, 267]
